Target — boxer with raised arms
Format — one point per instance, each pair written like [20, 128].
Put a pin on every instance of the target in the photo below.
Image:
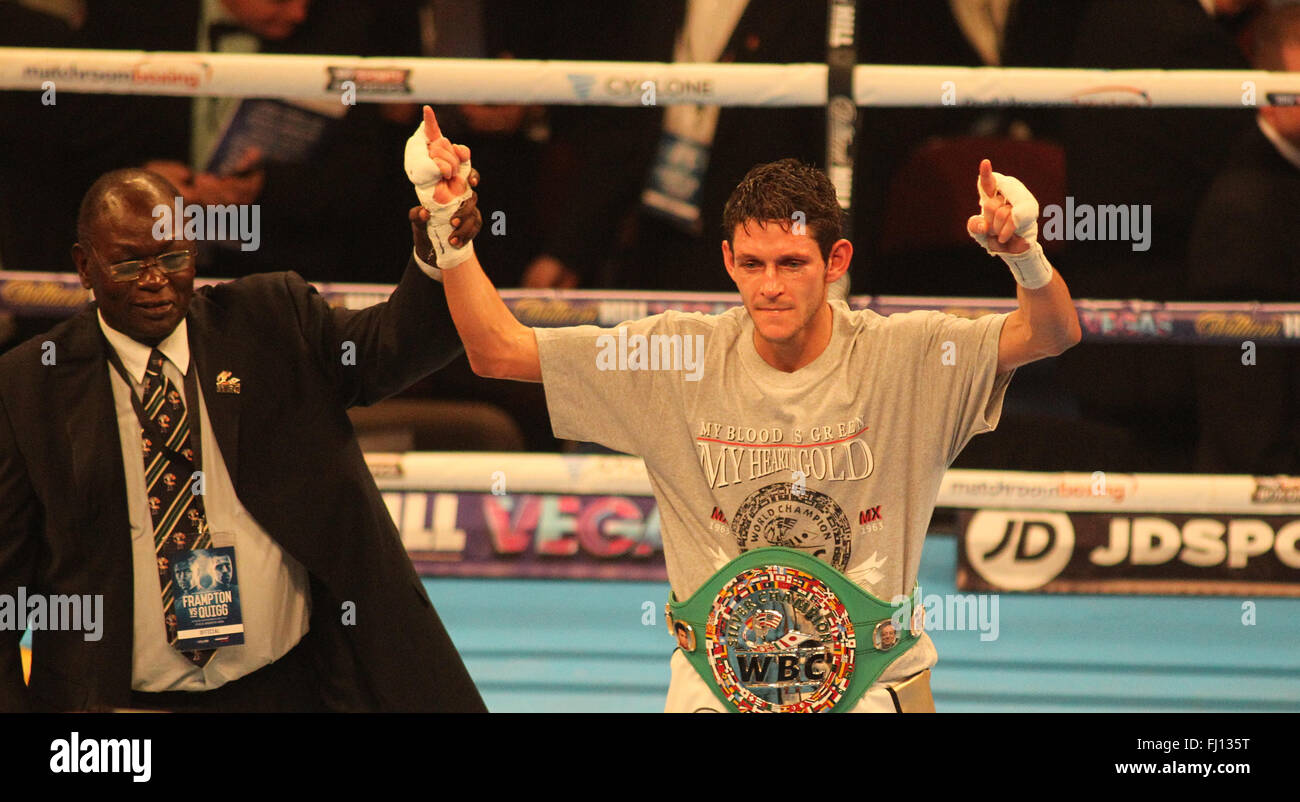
[797, 462]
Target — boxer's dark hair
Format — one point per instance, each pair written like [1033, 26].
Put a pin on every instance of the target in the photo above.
[774, 192]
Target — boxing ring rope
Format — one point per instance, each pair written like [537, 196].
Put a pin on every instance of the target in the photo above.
[611, 83]
[61, 294]
[964, 488]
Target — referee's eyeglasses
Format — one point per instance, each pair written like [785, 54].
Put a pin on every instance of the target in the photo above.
[132, 269]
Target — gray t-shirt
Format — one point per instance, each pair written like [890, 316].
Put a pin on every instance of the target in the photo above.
[842, 458]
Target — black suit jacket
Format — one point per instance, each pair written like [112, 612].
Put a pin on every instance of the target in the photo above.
[295, 465]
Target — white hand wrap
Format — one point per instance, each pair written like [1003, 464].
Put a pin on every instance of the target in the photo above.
[424, 174]
[1031, 268]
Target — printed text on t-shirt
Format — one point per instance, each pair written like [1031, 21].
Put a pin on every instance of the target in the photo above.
[730, 454]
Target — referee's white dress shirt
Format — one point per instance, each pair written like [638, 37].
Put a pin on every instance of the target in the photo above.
[274, 593]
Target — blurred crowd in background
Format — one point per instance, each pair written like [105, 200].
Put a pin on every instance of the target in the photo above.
[578, 184]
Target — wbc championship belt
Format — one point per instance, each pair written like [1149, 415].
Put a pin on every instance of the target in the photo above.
[779, 631]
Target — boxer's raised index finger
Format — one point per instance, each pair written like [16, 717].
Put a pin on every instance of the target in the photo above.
[988, 184]
[431, 130]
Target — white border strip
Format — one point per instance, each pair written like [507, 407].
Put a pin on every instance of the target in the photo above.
[1064, 492]
[229, 629]
[611, 83]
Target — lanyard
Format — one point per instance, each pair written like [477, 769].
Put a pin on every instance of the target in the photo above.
[151, 428]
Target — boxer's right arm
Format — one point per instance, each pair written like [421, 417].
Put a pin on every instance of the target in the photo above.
[498, 345]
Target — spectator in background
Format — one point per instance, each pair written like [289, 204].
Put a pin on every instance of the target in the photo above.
[1244, 249]
[49, 160]
[1164, 158]
[503, 135]
[647, 184]
[511, 137]
[322, 215]
[1236, 15]
[959, 33]
[1113, 156]
[50, 157]
[1119, 155]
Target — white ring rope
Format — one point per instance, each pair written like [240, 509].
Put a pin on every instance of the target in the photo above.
[608, 83]
[600, 474]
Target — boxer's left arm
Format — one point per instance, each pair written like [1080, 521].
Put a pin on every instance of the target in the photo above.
[1046, 322]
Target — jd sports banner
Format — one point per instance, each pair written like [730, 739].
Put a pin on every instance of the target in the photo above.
[1032, 550]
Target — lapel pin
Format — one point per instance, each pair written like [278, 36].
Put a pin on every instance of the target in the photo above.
[227, 383]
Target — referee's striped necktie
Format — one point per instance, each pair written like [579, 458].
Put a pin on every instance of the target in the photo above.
[179, 522]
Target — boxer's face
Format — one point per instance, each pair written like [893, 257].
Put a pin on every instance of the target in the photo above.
[148, 308]
[222, 566]
[781, 276]
[269, 19]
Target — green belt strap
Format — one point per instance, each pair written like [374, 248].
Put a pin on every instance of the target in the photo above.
[865, 612]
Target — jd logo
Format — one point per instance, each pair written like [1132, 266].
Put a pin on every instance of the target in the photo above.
[1019, 550]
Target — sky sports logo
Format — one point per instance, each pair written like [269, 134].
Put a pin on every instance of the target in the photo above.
[77, 755]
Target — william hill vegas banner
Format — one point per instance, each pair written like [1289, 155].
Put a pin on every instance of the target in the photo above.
[565, 536]
[523, 515]
[1123, 552]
